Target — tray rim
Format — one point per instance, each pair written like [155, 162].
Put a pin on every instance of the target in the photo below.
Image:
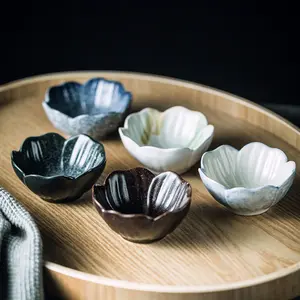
[182, 289]
[159, 288]
[147, 76]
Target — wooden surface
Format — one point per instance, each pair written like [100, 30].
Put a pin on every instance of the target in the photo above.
[213, 254]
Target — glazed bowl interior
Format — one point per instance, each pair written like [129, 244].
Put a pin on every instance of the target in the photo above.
[52, 155]
[255, 165]
[177, 127]
[140, 192]
[96, 96]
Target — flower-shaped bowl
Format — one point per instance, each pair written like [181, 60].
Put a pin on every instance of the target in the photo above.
[249, 181]
[95, 108]
[56, 169]
[173, 140]
[140, 206]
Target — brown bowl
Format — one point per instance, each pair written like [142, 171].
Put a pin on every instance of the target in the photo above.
[140, 206]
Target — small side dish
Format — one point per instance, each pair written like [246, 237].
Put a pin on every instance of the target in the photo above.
[173, 140]
[56, 169]
[95, 108]
[141, 207]
[249, 181]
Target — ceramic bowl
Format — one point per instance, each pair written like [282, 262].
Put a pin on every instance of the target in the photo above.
[173, 140]
[56, 169]
[249, 181]
[140, 206]
[95, 108]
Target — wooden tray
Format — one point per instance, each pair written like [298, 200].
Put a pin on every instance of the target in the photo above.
[213, 254]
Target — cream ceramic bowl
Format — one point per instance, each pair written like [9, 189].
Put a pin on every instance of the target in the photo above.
[249, 181]
[173, 140]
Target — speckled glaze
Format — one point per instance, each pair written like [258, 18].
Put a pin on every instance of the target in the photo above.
[249, 181]
[140, 206]
[56, 169]
[95, 108]
[173, 140]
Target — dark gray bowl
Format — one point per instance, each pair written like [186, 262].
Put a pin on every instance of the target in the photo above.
[95, 108]
[59, 170]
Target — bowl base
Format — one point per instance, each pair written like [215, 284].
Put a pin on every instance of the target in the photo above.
[249, 214]
[61, 201]
[149, 241]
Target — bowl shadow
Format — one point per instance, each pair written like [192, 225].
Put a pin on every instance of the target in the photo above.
[86, 198]
[210, 225]
[203, 224]
[289, 207]
[236, 142]
[113, 136]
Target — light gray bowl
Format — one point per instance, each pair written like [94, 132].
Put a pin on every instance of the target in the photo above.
[95, 108]
[250, 181]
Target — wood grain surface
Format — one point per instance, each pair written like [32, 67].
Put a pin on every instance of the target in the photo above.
[213, 254]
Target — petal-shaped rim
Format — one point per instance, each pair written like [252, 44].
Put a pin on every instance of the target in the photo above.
[256, 189]
[122, 130]
[127, 216]
[65, 141]
[47, 99]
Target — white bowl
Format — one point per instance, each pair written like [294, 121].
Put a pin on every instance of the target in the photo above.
[173, 140]
[249, 181]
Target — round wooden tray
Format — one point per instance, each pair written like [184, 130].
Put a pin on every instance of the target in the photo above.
[213, 254]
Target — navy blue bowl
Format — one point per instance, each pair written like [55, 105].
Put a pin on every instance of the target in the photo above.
[95, 108]
[59, 170]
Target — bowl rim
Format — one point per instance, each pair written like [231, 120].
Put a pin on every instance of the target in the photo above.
[137, 216]
[47, 99]
[239, 188]
[171, 149]
[55, 177]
